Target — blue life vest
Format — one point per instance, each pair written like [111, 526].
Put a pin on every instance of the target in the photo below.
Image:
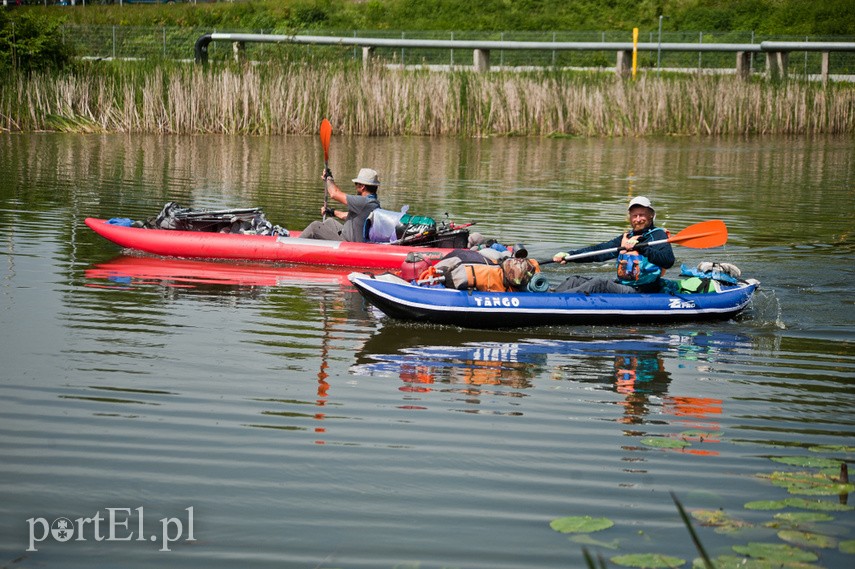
[634, 269]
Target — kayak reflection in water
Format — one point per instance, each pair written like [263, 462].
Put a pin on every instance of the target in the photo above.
[359, 207]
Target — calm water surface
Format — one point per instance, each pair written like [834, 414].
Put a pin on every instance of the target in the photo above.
[305, 430]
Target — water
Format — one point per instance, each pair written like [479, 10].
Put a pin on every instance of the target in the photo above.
[302, 429]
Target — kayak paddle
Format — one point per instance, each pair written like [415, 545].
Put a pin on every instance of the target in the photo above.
[703, 235]
[326, 133]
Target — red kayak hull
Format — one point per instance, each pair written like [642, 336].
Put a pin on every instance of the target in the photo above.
[292, 249]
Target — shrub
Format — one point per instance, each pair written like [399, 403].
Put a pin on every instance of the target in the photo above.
[32, 43]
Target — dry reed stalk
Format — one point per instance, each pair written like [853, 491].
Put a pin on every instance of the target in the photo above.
[289, 99]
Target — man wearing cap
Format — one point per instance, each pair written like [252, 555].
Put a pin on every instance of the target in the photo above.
[638, 270]
[359, 206]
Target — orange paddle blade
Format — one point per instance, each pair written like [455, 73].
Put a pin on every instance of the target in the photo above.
[326, 133]
[702, 235]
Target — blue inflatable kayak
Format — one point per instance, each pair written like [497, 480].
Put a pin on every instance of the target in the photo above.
[474, 309]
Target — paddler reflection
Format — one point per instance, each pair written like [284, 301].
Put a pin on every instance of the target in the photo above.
[639, 376]
[335, 312]
[329, 316]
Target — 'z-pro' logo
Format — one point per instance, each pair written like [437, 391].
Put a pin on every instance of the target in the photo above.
[679, 303]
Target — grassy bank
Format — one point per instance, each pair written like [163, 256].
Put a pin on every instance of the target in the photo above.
[794, 17]
[293, 98]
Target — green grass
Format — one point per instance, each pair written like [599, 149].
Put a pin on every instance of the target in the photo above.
[789, 17]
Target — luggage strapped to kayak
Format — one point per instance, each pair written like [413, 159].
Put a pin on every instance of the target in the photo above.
[241, 220]
[402, 228]
[708, 276]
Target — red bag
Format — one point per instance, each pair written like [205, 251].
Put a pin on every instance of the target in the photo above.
[413, 266]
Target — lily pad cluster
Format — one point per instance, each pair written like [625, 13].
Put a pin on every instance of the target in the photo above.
[807, 483]
[803, 534]
[807, 529]
[588, 524]
[801, 503]
[721, 521]
[683, 440]
[777, 553]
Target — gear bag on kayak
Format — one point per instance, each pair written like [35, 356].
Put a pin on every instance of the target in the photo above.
[512, 275]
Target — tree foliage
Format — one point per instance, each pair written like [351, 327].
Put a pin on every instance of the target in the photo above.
[32, 42]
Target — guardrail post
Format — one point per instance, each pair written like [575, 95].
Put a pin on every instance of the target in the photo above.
[776, 64]
[825, 67]
[367, 54]
[200, 49]
[743, 64]
[481, 60]
[239, 50]
[624, 63]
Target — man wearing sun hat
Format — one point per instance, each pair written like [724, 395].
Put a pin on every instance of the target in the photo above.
[359, 206]
[638, 270]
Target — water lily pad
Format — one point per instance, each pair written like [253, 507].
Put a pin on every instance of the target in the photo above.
[833, 473]
[580, 524]
[732, 562]
[710, 517]
[803, 517]
[722, 522]
[586, 539]
[736, 562]
[847, 546]
[647, 560]
[808, 483]
[807, 539]
[832, 448]
[702, 435]
[818, 505]
[766, 505]
[807, 461]
[777, 552]
[664, 442]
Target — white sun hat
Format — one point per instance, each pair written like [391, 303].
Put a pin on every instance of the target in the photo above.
[368, 177]
[642, 201]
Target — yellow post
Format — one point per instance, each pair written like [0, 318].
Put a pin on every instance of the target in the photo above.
[634, 51]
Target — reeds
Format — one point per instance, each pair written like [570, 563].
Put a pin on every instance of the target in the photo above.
[291, 98]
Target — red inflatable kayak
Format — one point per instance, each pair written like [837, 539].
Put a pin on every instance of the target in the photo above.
[292, 249]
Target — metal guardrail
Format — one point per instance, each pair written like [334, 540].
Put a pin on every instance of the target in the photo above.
[776, 51]
[468, 44]
[535, 45]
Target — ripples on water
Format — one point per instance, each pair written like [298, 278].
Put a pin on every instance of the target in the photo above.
[307, 431]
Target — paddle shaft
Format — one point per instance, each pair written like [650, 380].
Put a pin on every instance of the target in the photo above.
[326, 191]
[612, 250]
[701, 235]
[326, 134]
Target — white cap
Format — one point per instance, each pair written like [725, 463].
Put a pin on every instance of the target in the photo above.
[368, 177]
[642, 201]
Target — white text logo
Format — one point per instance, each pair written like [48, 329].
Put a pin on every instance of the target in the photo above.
[119, 524]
